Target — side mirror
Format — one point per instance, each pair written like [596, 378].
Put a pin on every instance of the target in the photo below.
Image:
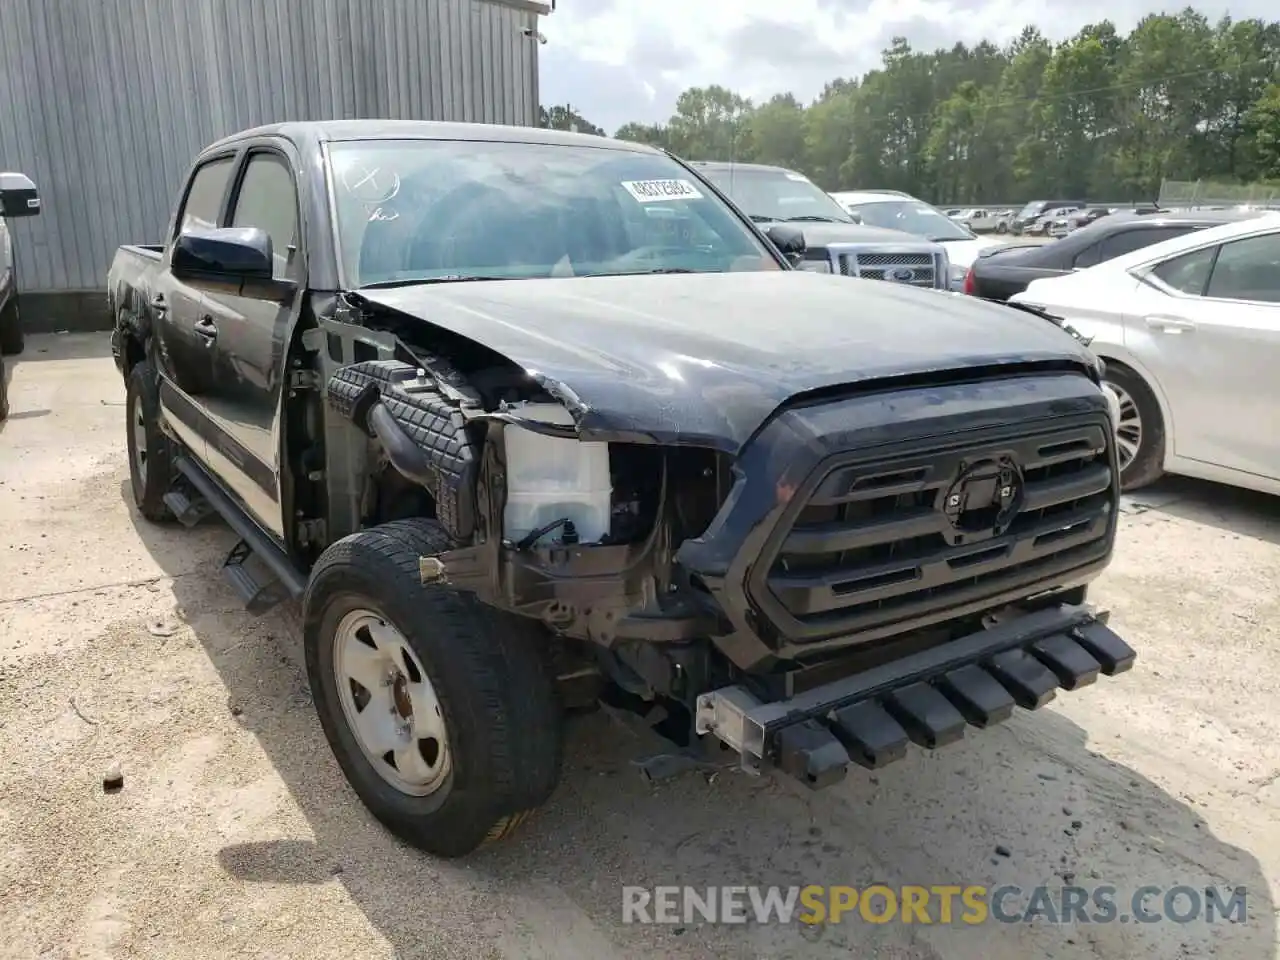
[856, 217]
[232, 260]
[239, 252]
[788, 239]
[18, 196]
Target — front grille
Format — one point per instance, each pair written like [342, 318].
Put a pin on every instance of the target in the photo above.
[906, 537]
[915, 269]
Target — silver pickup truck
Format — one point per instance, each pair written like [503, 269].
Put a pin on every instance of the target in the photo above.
[834, 241]
[18, 198]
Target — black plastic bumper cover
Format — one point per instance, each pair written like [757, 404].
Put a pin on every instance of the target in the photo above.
[931, 697]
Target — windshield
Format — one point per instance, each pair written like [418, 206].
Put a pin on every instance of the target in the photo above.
[1030, 210]
[776, 195]
[911, 216]
[441, 210]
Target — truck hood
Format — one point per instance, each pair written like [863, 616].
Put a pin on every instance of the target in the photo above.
[962, 253]
[818, 234]
[704, 359]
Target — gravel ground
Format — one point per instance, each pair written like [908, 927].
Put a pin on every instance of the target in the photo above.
[235, 835]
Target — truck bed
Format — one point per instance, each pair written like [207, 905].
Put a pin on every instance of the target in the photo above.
[148, 251]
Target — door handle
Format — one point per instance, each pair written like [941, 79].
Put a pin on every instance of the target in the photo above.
[158, 303]
[1170, 324]
[206, 328]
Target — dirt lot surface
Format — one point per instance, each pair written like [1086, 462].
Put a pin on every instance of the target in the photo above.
[235, 834]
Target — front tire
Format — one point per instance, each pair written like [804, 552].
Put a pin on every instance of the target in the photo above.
[150, 451]
[1140, 435]
[12, 340]
[440, 711]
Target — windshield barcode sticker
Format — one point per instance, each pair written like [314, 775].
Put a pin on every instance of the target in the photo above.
[649, 191]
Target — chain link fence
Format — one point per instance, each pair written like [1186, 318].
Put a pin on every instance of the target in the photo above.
[1207, 193]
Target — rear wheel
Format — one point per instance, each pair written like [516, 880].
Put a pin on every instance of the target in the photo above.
[1139, 429]
[11, 338]
[440, 711]
[150, 451]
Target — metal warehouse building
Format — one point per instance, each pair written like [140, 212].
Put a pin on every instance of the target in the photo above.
[104, 103]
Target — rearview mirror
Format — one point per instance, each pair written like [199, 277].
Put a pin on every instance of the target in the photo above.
[18, 196]
[788, 239]
[232, 260]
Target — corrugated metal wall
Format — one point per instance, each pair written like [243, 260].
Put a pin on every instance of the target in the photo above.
[104, 103]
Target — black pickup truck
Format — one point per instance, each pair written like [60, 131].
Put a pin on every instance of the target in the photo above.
[533, 421]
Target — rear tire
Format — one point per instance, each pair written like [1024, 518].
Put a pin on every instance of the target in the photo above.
[490, 737]
[1140, 433]
[4, 391]
[12, 340]
[150, 451]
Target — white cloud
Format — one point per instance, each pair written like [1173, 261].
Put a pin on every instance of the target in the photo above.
[616, 61]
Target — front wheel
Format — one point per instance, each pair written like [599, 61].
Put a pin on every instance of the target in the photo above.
[11, 338]
[1139, 428]
[440, 711]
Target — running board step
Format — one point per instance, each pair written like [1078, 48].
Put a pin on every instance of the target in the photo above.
[256, 585]
[187, 509]
[257, 568]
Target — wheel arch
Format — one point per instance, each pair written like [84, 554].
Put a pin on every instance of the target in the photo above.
[1115, 355]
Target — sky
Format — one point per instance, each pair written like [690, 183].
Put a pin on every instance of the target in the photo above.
[619, 60]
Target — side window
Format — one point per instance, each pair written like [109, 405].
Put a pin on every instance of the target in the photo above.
[1188, 273]
[1131, 240]
[1248, 270]
[1088, 256]
[204, 199]
[267, 199]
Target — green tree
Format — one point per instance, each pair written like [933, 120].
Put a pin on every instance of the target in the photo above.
[1263, 122]
[654, 134]
[566, 118]
[777, 132]
[711, 123]
[1102, 115]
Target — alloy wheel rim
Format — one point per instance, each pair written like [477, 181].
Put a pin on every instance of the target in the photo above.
[1128, 427]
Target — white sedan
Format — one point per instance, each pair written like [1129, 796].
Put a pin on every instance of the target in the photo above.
[1190, 332]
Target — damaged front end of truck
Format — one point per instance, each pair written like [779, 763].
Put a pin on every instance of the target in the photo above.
[805, 569]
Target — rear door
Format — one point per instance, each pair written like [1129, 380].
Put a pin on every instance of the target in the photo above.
[251, 337]
[184, 356]
[1208, 327]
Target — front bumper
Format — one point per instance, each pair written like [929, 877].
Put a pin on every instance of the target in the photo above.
[927, 698]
